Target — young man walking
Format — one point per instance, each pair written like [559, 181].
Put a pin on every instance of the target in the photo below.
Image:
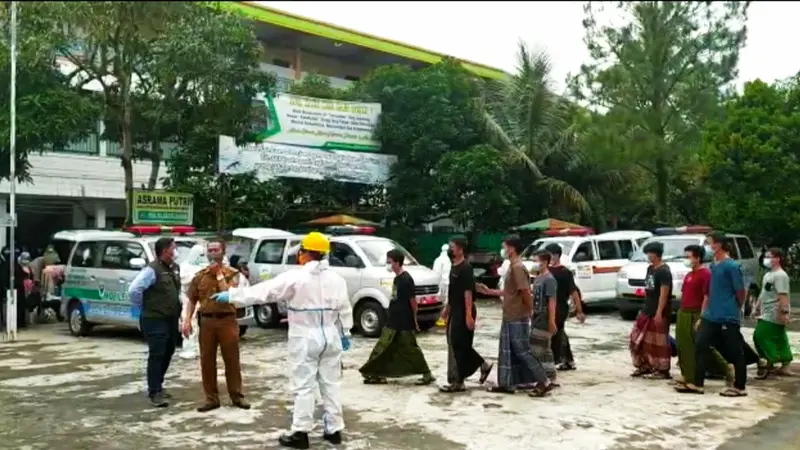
[694, 294]
[397, 354]
[543, 322]
[517, 367]
[772, 342]
[649, 341]
[460, 314]
[719, 325]
[156, 292]
[566, 289]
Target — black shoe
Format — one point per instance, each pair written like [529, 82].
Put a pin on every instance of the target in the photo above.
[158, 401]
[294, 440]
[333, 438]
[241, 404]
[208, 407]
[166, 394]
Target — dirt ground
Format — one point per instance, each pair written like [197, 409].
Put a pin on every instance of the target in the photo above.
[60, 392]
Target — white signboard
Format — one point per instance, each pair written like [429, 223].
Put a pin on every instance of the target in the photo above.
[319, 123]
[270, 160]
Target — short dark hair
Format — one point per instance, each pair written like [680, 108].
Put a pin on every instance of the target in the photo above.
[162, 244]
[777, 253]
[514, 242]
[553, 249]
[217, 240]
[718, 237]
[543, 255]
[696, 250]
[657, 248]
[396, 256]
[460, 242]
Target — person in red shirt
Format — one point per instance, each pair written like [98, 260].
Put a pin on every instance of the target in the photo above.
[694, 296]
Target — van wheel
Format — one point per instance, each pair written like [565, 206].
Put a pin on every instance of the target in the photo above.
[77, 324]
[242, 330]
[370, 318]
[267, 316]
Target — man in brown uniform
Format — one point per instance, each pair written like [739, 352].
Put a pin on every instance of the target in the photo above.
[218, 327]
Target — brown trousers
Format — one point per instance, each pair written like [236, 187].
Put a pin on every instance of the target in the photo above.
[222, 333]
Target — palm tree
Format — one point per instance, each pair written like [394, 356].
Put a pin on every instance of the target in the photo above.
[526, 119]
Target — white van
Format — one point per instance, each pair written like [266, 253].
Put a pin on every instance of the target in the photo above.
[359, 258]
[594, 259]
[631, 280]
[99, 267]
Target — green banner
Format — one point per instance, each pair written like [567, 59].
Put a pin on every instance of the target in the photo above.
[162, 208]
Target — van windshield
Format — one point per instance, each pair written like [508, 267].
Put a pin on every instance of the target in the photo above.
[673, 248]
[566, 246]
[376, 250]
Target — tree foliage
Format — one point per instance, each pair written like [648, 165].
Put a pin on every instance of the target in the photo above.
[662, 73]
[752, 164]
[51, 113]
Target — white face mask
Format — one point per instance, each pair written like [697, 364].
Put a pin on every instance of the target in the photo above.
[389, 267]
[503, 253]
[767, 263]
[687, 263]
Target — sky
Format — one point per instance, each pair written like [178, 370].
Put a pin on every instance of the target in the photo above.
[488, 32]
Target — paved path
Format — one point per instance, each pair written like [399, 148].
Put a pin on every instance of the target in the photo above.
[59, 392]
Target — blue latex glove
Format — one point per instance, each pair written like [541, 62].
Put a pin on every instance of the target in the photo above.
[345, 343]
[221, 297]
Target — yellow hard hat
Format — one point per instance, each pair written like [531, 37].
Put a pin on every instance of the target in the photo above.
[316, 242]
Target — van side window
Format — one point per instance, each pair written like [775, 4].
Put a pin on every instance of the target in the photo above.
[734, 250]
[608, 250]
[745, 249]
[625, 249]
[344, 256]
[271, 252]
[587, 249]
[85, 255]
[640, 241]
[291, 254]
[117, 255]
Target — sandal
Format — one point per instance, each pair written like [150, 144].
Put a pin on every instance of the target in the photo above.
[688, 389]
[563, 367]
[657, 376]
[733, 392]
[452, 388]
[762, 372]
[501, 390]
[541, 391]
[485, 373]
[375, 381]
[426, 380]
[638, 373]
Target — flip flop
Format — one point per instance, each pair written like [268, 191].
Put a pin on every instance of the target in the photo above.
[657, 376]
[540, 392]
[731, 392]
[450, 389]
[638, 373]
[375, 381]
[485, 373]
[500, 390]
[685, 389]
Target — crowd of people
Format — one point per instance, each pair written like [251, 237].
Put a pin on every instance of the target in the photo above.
[533, 345]
[36, 281]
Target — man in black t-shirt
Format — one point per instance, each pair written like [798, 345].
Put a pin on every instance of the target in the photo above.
[566, 289]
[397, 354]
[649, 340]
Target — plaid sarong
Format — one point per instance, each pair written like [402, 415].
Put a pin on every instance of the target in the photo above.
[516, 363]
[649, 345]
[543, 352]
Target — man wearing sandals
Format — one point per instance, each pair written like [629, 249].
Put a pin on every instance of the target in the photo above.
[517, 367]
[770, 337]
[397, 354]
[719, 325]
[460, 314]
[649, 340]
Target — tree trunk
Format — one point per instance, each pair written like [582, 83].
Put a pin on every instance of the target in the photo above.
[155, 160]
[662, 192]
[127, 147]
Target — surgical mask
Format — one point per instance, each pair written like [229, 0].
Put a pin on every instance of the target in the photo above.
[388, 267]
[687, 263]
[535, 266]
[767, 263]
[503, 253]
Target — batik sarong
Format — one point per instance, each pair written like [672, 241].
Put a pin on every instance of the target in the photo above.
[516, 363]
[649, 345]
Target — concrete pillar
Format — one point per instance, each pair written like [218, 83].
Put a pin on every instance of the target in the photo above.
[102, 143]
[298, 64]
[100, 216]
[78, 217]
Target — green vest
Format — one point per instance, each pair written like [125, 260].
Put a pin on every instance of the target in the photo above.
[162, 299]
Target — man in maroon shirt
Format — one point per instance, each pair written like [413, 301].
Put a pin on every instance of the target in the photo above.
[694, 295]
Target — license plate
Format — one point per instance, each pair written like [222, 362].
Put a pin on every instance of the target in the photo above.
[427, 300]
[639, 292]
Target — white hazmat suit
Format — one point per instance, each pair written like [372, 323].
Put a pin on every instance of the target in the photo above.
[320, 318]
[441, 267]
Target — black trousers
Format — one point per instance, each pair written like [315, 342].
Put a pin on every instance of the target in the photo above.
[162, 338]
[727, 339]
[559, 343]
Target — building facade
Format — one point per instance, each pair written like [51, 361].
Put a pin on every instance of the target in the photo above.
[82, 186]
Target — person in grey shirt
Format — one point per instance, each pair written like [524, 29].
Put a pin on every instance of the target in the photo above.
[772, 342]
[543, 322]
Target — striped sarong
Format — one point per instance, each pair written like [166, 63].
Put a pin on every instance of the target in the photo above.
[543, 352]
[516, 363]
